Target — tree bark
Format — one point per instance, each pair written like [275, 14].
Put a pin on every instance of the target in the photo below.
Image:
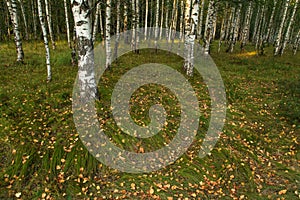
[117, 31]
[209, 27]
[12, 8]
[146, 19]
[281, 27]
[288, 31]
[67, 23]
[86, 71]
[24, 19]
[246, 27]
[43, 26]
[107, 34]
[95, 27]
[49, 20]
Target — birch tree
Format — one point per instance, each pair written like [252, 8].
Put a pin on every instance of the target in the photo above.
[95, 29]
[133, 30]
[67, 23]
[49, 20]
[12, 8]
[246, 27]
[281, 27]
[146, 19]
[44, 30]
[156, 23]
[117, 30]
[191, 19]
[33, 10]
[199, 29]
[271, 22]
[24, 19]
[86, 71]
[137, 33]
[296, 43]
[288, 31]
[107, 34]
[209, 27]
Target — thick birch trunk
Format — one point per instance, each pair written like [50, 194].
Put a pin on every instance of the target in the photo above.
[86, 71]
[12, 8]
[48, 16]
[43, 26]
[107, 34]
[281, 27]
[191, 21]
[288, 31]
[67, 23]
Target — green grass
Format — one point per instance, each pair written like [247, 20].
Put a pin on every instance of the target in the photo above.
[257, 156]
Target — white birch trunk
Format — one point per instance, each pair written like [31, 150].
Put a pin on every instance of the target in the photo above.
[256, 24]
[246, 27]
[43, 26]
[296, 43]
[48, 16]
[137, 33]
[107, 34]
[271, 22]
[67, 23]
[86, 71]
[209, 27]
[161, 19]
[126, 37]
[12, 8]
[191, 21]
[24, 19]
[156, 23]
[95, 29]
[146, 19]
[101, 24]
[34, 19]
[167, 20]
[288, 31]
[133, 31]
[181, 27]
[173, 20]
[117, 31]
[199, 29]
[281, 27]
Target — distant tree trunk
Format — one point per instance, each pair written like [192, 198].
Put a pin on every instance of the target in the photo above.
[95, 29]
[161, 19]
[296, 43]
[137, 33]
[126, 37]
[246, 28]
[234, 29]
[167, 20]
[209, 27]
[48, 15]
[199, 28]
[12, 8]
[156, 23]
[67, 23]
[267, 39]
[24, 19]
[281, 27]
[181, 21]
[117, 30]
[288, 31]
[43, 26]
[259, 33]
[256, 23]
[107, 34]
[222, 33]
[101, 24]
[146, 19]
[229, 23]
[34, 19]
[86, 71]
[173, 21]
[133, 34]
[191, 20]
[73, 53]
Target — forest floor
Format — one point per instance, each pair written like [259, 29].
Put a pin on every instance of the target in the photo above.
[256, 157]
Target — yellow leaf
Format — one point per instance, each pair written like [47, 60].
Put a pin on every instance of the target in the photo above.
[282, 192]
